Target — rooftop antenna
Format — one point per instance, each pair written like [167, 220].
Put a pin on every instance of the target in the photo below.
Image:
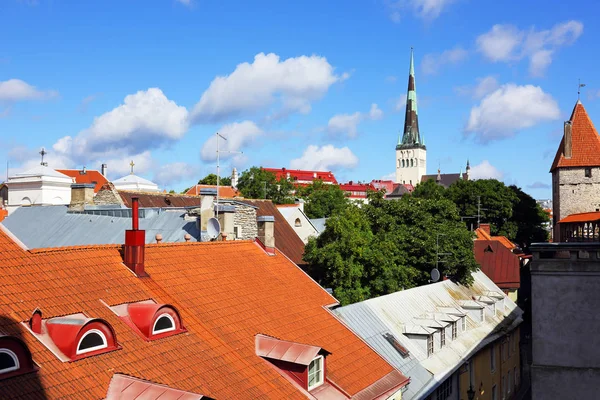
[579, 89]
[435, 273]
[43, 152]
[219, 136]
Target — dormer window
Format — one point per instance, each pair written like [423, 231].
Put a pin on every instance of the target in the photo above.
[164, 323]
[464, 324]
[453, 330]
[92, 340]
[315, 373]
[8, 361]
[429, 345]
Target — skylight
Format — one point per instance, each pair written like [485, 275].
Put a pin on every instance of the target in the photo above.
[397, 346]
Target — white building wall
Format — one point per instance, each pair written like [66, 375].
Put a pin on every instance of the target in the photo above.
[411, 165]
[299, 222]
[40, 191]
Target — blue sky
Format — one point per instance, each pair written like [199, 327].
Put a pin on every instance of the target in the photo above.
[312, 84]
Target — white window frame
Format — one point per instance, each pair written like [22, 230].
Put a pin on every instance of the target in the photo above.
[454, 331]
[430, 344]
[321, 376]
[90, 349]
[442, 337]
[172, 328]
[15, 359]
[464, 323]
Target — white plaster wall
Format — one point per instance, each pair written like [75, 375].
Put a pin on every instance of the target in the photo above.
[306, 230]
[410, 174]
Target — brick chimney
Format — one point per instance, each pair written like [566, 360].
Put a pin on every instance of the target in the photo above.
[82, 194]
[568, 149]
[266, 232]
[485, 228]
[135, 240]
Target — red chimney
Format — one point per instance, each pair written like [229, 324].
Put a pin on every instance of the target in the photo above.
[35, 322]
[135, 240]
[485, 228]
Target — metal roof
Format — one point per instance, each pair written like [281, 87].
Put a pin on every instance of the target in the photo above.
[402, 313]
[319, 224]
[53, 226]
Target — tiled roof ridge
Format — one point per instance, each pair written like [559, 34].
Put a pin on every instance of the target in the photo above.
[83, 247]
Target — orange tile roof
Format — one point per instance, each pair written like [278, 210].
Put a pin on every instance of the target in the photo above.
[483, 235]
[226, 292]
[581, 217]
[585, 142]
[224, 191]
[90, 176]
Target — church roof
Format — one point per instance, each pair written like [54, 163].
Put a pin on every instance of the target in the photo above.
[446, 179]
[585, 142]
[411, 137]
[40, 170]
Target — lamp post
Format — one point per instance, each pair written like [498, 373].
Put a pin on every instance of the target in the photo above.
[470, 393]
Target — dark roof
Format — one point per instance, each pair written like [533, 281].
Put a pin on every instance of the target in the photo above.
[151, 200]
[446, 179]
[399, 191]
[286, 239]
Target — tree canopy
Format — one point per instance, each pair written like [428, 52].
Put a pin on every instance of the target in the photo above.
[322, 200]
[385, 246]
[256, 183]
[211, 179]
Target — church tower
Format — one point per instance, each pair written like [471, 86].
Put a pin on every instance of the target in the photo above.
[411, 153]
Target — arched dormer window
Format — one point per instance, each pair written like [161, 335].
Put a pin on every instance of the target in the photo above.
[297, 223]
[8, 361]
[92, 340]
[164, 323]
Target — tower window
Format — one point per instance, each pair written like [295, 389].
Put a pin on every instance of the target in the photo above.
[588, 172]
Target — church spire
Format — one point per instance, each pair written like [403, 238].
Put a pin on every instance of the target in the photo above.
[411, 136]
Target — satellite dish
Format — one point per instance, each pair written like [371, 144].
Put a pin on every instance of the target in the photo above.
[435, 275]
[213, 228]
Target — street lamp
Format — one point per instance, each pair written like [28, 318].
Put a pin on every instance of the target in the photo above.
[470, 393]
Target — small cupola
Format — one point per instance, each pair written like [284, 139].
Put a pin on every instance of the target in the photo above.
[15, 357]
[150, 320]
[74, 336]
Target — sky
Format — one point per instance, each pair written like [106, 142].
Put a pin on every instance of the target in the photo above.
[303, 85]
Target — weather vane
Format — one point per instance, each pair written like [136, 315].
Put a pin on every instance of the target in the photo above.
[579, 89]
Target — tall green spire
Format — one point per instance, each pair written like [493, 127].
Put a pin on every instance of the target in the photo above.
[411, 137]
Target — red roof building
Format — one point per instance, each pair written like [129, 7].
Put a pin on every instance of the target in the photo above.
[356, 190]
[303, 177]
[224, 191]
[86, 176]
[496, 256]
[185, 318]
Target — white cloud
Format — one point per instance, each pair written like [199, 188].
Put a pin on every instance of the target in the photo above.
[391, 79]
[145, 120]
[482, 88]
[325, 158]
[347, 124]
[485, 170]
[238, 134]
[187, 3]
[14, 90]
[507, 43]
[169, 174]
[425, 9]
[400, 103]
[293, 83]
[432, 63]
[508, 109]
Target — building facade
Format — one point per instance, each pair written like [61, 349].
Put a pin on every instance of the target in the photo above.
[411, 153]
[576, 170]
[39, 186]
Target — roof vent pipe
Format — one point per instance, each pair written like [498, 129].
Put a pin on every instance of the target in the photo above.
[135, 240]
[104, 170]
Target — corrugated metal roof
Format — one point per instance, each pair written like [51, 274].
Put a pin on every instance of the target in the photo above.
[52, 226]
[402, 312]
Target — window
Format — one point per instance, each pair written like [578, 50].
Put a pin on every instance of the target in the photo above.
[429, 345]
[453, 330]
[445, 389]
[464, 324]
[481, 315]
[8, 361]
[509, 381]
[492, 357]
[442, 337]
[494, 393]
[164, 323]
[588, 172]
[237, 232]
[315, 373]
[297, 223]
[91, 341]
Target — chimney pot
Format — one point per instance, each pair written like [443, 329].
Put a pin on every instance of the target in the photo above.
[35, 322]
[568, 149]
[266, 232]
[135, 242]
[486, 228]
[158, 238]
[223, 236]
[104, 170]
[187, 237]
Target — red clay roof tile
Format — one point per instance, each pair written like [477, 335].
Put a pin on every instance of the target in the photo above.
[90, 176]
[585, 142]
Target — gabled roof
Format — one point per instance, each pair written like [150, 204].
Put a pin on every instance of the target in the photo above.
[445, 179]
[89, 176]
[284, 350]
[585, 147]
[39, 170]
[483, 235]
[286, 238]
[224, 191]
[127, 387]
[226, 293]
[500, 264]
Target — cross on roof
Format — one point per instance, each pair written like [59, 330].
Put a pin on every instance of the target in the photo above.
[132, 164]
[43, 152]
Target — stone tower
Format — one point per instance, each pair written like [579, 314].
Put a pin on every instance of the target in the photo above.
[411, 153]
[576, 169]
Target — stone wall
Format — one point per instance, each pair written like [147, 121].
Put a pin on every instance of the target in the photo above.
[107, 195]
[245, 220]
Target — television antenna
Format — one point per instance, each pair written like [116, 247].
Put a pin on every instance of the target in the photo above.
[435, 273]
[478, 216]
[219, 136]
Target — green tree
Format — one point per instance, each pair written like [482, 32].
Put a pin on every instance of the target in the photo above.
[386, 246]
[256, 183]
[322, 200]
[429, 190]
[529, 219]
[211, 179]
